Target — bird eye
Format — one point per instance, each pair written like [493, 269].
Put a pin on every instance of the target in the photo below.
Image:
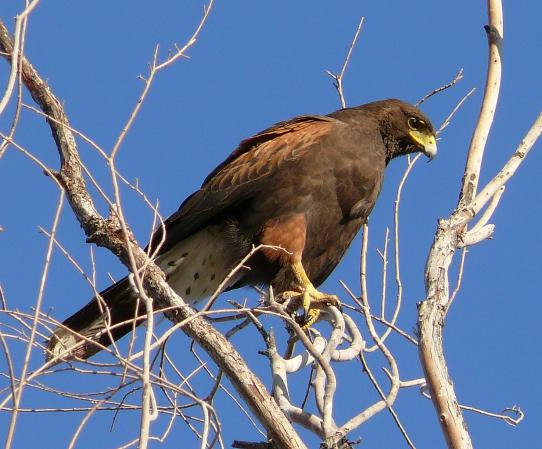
[414, 123]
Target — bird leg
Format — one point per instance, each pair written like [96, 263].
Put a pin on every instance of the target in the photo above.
[312, 300]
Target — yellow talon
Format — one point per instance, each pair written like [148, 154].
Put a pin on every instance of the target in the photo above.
[306, 301]
[310, 318]
[311, 300]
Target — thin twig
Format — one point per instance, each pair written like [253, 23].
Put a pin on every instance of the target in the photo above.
[458, 77]
[338, 78]
[392, 411]
[16, 52]
[39, 300]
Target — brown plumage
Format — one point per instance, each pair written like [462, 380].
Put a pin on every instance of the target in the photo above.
[306, 185]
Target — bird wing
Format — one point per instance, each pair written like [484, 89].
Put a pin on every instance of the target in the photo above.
[243, 174]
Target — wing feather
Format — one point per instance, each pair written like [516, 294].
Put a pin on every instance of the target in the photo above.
[243, 174]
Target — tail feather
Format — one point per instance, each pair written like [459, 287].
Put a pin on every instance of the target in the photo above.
[98, 321]
[194, 268]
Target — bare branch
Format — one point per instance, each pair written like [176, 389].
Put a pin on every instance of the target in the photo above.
[338, 78]
[451, 235]
[458, 76]
[495, 35]
[389, 399]
[399, 331]
[16, 51]
[392, 411]
[510, 415]
[448, 119]
[459, 279]
[30, 346]
[488, 213]
[105, 233]
[474, 237]
[509, 168]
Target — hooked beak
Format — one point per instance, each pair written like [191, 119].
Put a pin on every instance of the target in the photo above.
[427, 142]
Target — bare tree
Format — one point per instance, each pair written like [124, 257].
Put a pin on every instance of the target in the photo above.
[146, 376]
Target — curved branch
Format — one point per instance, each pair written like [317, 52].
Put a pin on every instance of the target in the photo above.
[450, 236]
[493, 186]
[495, 35]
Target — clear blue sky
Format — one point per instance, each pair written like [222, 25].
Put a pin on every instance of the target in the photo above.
[257, 63]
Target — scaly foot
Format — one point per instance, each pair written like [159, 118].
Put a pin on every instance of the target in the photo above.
[312, 301]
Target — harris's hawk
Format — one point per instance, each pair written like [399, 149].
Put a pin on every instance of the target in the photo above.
[305, 185]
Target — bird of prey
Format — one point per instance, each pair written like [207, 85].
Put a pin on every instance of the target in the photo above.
[305, 185]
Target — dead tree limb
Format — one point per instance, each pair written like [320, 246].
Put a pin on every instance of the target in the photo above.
[107, 233]
[452, 234]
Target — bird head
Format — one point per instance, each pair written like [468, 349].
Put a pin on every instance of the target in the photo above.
[405, 129]
[422, 135]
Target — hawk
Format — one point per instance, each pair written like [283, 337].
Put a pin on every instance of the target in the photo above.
[303, 188]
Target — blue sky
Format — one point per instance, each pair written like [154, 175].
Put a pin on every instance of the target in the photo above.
[257, 63]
